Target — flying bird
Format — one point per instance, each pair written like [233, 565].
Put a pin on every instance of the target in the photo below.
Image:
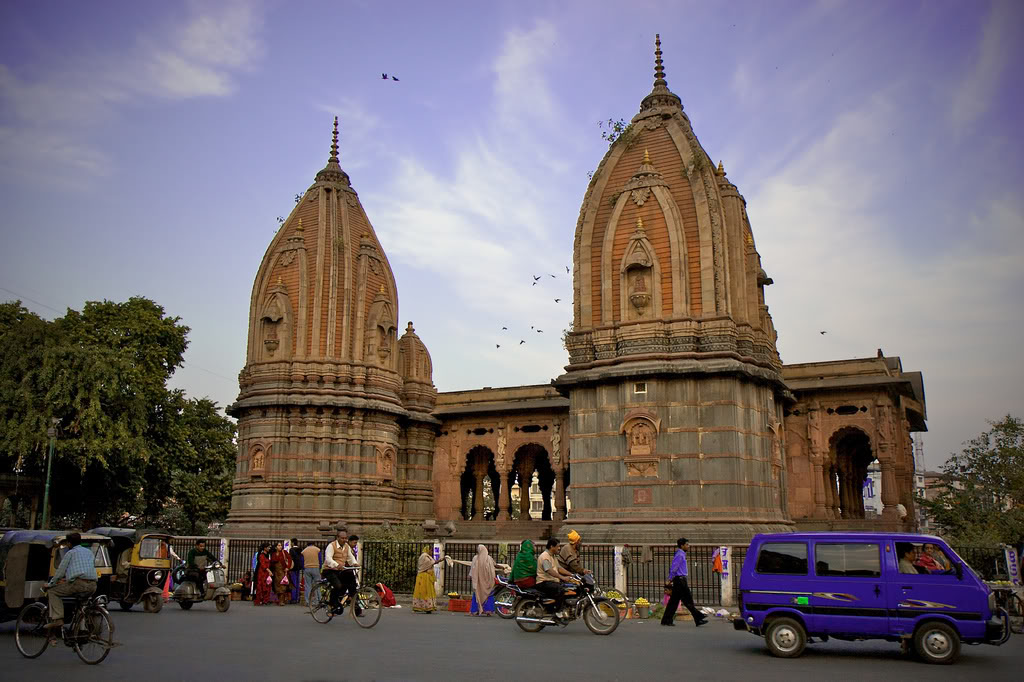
[551, 276]
[557, 300]
[534, 283]
[540, 331]
[823, 332]
[394, 78]
[536, 277]
[521, 342]
[497, 345]
[567, 269]
[504, 329]
[384, 76]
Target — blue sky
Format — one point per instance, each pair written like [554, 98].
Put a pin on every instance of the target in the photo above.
[147, 149]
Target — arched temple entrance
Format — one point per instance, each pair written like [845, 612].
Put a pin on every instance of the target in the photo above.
[850, 455]
[529, 460]
[479, 466]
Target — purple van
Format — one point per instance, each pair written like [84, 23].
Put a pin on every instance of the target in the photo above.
[898, 587]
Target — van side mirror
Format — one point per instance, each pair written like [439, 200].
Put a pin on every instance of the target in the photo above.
[959, 571]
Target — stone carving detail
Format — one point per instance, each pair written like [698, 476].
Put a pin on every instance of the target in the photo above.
[640, 195]
[556, 444]
[386, 464]
[375, 267]
[313, 194]
[641, 438]
[351, 199]
[286, 258]
[499, 458]
[814, 433]
[642, 496]
[642, 468]
[258, 460]
[638, 273]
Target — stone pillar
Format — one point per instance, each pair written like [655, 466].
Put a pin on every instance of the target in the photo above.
[890, 495]
[546, 486]
[559, 487]
[525, 479]
[506, 496]
[478, 494]
[820, 493]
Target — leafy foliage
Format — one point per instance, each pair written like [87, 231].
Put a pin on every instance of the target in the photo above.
[612, 130]
[983, 497]
[127, 445]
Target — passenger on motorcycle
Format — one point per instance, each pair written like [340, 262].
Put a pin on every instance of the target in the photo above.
[550, 574]
[196, 564]
[569, 554]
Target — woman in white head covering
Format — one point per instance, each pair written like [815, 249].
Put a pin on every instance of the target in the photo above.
[481, 575]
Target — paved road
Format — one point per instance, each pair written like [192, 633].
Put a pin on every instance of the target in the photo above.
[284, 643]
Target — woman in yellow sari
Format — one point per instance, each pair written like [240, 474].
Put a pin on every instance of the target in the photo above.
[424, 597]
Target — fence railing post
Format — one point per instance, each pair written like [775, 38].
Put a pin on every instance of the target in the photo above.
[727, 576]
[620, 570]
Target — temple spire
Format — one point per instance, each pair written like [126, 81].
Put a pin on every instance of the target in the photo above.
[660, 96]
[332, 171]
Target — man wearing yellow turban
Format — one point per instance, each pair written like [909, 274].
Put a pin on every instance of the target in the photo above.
[569, 555]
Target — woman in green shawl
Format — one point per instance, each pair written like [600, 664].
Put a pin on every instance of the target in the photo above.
[424, 598]
[524, 570]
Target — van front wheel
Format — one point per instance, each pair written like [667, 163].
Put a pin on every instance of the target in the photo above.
[937, 642]
[786, 638]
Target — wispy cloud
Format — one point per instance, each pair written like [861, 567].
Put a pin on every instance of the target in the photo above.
[974, 94]
[199, 58]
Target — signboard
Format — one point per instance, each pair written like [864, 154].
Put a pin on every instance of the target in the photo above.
[1012, 564]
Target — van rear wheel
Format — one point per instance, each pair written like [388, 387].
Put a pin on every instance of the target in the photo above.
[936, 642]
[785, 637]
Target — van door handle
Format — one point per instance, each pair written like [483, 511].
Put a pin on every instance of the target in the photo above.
[906, 587]
[878, 590]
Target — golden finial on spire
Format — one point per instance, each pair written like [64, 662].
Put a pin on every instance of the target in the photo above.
[647, 156]
[639, 224]
[280, 282]
[382, 288]
[299, 228]
[659, 69]
[721, 168]
[334, 142]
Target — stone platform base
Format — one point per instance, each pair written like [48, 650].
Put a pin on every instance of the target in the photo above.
[668, 533]
[854, 525]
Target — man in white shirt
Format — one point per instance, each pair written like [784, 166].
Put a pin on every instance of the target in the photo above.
[338, 556]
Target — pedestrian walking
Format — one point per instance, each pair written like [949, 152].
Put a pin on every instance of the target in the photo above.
[262, 585]
[295, 575]
[680, 587]
[311, 569]
[482, 575]
[280, 565]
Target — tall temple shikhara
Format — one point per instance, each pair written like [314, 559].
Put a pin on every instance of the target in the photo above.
[675, 415]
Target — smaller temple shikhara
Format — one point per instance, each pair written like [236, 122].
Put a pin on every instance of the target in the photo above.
[675, 415]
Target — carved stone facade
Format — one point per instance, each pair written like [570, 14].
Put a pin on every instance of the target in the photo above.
[675, 415]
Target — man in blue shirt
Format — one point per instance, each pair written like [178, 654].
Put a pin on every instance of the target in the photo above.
[75, 576]
[680, 588]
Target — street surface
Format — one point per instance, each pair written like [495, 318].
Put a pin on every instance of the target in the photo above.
[284, 643]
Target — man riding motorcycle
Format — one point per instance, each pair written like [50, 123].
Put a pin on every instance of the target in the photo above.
[196, 562]
[550, 574]
[569, 554]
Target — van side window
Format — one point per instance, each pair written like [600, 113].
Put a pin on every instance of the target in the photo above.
[848, 559]
[783, 558]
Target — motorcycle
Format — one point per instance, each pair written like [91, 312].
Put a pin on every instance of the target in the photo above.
[579, 600]
[187, 592]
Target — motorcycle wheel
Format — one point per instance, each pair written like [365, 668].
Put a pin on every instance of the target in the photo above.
[530, 608]
[223, 603]
[185, 605]
[505, 603]
[154, 602]
[126, 605]
[602, 618]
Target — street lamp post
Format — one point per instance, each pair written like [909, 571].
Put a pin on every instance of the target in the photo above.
[52, 433]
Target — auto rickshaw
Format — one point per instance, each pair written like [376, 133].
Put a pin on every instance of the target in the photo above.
[142, 562]
[29, 558]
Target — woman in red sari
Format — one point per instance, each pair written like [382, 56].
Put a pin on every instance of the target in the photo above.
[263, 577]
[280, 564]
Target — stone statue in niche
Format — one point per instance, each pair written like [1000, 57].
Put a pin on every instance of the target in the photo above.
[814, 433]
[272, 317]
[257, 460]
[383, 344]
[641, 439]
[387, 464]
[639, 290]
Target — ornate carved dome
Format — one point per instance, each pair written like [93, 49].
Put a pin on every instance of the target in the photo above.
[664, 257]
[324, 307]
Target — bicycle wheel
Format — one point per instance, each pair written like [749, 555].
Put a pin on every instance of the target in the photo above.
[319, 602]
[367, 608]
[92, 634]
[1015, 607]
[29, 634]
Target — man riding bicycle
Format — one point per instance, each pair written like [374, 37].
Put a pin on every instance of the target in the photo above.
[75, 577]
[339, 562]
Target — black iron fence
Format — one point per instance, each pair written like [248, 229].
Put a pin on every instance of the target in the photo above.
[649, 567]
[988, 562]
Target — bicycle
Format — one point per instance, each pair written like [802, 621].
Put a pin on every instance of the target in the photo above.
[366, 611]
[90, 632]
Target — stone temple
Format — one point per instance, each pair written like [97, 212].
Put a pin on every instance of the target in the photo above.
[675, 414]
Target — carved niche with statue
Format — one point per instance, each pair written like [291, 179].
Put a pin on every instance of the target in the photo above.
[639, 278]
[640, 428]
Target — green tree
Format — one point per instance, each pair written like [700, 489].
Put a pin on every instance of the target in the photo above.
[124, 438]
[982, 501]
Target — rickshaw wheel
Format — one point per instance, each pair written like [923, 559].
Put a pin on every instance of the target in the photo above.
[126, 605]
[223, 604]
[185, 605]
